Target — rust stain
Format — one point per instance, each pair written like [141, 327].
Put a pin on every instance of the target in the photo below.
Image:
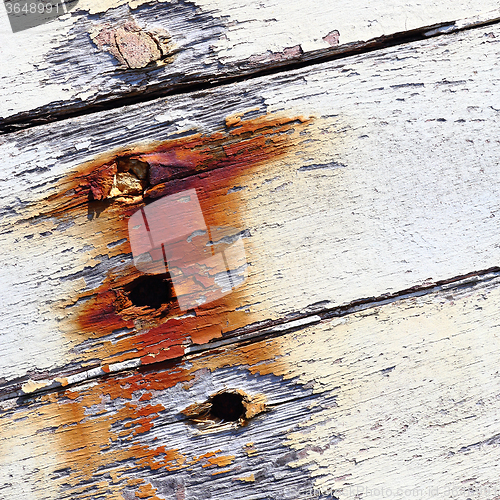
[236, 118]
[146, 396]
[110, 424]
[244, 144]
[202, 458]
[89, 443]
[208, 164]
[107, 423]
[221, 461]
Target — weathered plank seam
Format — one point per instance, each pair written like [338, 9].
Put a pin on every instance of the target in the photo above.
[45, 115]
[278, 328]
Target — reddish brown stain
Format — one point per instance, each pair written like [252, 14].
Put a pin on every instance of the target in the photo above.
[244, 144]
[208, 164]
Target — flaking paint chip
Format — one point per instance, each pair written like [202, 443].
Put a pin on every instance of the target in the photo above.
[133, 46]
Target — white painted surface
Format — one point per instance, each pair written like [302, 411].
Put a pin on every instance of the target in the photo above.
[57, 65]
[416, 202]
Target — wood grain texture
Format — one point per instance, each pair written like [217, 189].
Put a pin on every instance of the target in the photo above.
[402, 398]
[106, 50]
[379, 173]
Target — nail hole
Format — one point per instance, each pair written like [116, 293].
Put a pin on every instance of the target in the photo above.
[151, 291]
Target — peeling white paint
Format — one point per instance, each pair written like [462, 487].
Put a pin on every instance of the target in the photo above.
[252, 30]
[83, 145]
[416, 200]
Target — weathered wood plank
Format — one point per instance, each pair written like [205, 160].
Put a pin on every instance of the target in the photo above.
[387, 180]
[105, 50]
[400, 398]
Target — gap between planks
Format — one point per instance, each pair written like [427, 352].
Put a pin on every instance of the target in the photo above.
[313, 314]
[44, 115]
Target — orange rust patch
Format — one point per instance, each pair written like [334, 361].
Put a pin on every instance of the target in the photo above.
[63, 381]
[134, 482]
[208, 164]
[148, 492]
[205, 455]
[85, 442]
[247, 144]
[146, 396]
[222, 461]
[220, 472]
[202, 336]
[109, 425]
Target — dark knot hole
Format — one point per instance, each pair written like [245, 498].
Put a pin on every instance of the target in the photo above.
[228, 406]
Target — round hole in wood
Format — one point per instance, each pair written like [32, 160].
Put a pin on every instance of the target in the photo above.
[228, 406]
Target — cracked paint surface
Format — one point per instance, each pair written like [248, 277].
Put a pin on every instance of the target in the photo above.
[214, 37]
[355, 214]
[338, 417]
[100, 321]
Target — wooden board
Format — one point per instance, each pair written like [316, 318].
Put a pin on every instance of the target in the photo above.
[104, 51]
[321, 184]
[347, 180]
[401, 399]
